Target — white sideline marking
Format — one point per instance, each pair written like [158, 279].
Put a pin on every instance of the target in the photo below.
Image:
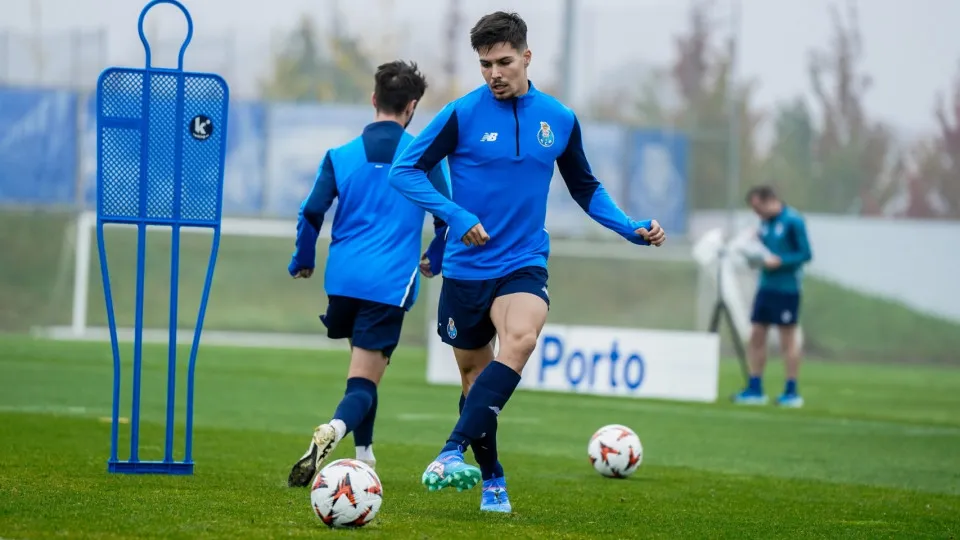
[46, 409]
[429, 417]
[809, 423]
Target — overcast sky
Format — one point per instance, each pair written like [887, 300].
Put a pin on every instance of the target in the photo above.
[912, 46]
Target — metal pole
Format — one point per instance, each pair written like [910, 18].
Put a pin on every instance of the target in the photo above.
[453, 36]
[566, 47]
[4, 57]
[36, 17]
[733, 116]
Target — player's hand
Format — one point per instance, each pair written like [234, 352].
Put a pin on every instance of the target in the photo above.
[476, 236]
[772, 262]
[425, 267]
[655, 236]
[303, 273]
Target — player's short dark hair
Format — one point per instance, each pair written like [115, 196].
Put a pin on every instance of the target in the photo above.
[396, 84]
[764, 193]
[496, 28]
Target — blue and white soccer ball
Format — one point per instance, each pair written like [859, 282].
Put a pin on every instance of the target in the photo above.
[347, 493]
[615, 451]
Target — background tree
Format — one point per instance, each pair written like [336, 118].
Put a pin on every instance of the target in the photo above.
[700, 75]
[931, 180]
[691, 96]
[789, 164]
[853, 153]
[310, 67]
[946, 158]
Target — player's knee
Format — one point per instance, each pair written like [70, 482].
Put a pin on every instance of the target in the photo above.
[467, 375]
[368, 364]
[758, 336]
[789, 344]
[472, 362]
[519, 343]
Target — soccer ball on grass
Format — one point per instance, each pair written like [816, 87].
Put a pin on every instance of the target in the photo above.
[615, 451]
[346, 494]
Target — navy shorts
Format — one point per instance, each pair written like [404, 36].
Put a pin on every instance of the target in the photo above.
[370, 325]
[776, 308]
[463, 316]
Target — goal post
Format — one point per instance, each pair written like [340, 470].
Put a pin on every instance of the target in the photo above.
[592, 282]
[86, 229]
[85, 257]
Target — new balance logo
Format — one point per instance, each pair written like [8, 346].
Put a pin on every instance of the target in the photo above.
[489, 137]
[495, 409]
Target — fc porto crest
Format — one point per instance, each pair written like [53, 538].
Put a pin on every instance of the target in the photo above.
[451, 328]
[545, 136]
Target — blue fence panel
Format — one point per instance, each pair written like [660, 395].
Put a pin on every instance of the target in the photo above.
[245, 170]
[658, 178]
[274, 151]
[300, 135]
[603, 145]
[38, 146]
[88, 150]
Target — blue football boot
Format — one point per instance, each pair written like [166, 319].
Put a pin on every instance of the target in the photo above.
[449, 469]
[790, 401]
[494, 498]
[750, 397]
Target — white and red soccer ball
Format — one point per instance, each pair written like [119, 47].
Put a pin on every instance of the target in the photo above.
[347, 493]
[615, 451]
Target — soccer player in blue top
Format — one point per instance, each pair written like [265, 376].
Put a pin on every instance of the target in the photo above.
[372, 269]
[501, 142]
[777, 302]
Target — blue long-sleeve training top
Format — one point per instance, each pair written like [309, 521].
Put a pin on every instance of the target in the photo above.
[377, 233]
[501, 155]
[785, 235]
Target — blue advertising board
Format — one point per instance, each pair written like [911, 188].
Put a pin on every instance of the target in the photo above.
[38, 146]
[657, 178]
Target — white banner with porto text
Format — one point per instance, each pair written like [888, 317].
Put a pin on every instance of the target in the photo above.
[659, 364]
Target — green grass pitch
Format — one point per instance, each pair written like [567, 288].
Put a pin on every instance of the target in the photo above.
[876, 454]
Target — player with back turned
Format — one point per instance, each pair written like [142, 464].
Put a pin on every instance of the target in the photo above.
[501, 142]
[371, 273]
[783, 232]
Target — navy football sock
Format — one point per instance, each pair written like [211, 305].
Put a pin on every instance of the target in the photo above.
[487, 397]
[791, 387]
[356, 403]
[485, 451]
[755, 385]
[363, 434]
